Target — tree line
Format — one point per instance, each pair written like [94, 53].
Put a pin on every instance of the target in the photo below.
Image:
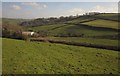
[48, 21]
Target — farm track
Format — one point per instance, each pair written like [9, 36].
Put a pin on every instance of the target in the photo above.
[115, 48]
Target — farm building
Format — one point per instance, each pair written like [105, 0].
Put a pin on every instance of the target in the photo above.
[28, 33]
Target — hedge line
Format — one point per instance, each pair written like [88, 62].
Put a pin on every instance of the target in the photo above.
[116, 48]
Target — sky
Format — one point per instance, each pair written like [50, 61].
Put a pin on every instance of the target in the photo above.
[59, 1]
[30, 10]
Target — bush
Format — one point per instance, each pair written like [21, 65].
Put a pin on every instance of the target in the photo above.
[11, 31]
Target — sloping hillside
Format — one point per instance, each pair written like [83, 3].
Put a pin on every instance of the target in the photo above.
[83, 25]
[72, 30]
[103, 23]
[108, 20]
[14, 21]
[20, 57]
[109, 16]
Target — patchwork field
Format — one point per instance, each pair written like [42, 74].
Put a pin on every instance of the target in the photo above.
[97, 25]
[103, 23]
[71, 29]
[109, 16]
[22, 57]
[86, 40]
[25, 57]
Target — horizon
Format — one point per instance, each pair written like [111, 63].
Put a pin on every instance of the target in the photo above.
[33, 10]
[46, 17]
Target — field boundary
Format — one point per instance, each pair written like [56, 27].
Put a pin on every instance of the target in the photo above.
[106, 19]
[57, 27]
[95, 27]
[115, 48]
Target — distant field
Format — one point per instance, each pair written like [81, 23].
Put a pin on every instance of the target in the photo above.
[62, 29]
[78, 29]
[87, 40]
[65, 29]
[111, 16]
[81, 19]
[21, 57]
[46, 28]
[103, 23]
[13, 21]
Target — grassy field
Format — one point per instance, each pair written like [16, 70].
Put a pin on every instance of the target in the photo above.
[24, 57]
[86, 40]
[0, 56]
[81, 19]
[103, 23]
[45, 28]
[111, 16]
[65, 29]
[21, 57]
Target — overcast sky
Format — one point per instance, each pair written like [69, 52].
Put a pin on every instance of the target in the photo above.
[29, 10]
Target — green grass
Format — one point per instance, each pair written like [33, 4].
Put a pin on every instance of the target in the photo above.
[0, 56]
[111, 16]
[87, 40]
[20, 57]
[72, 29]
[81, 19]
[65, 29]
[103, 23]
[13, 21]
[78, 29]
[46, 28]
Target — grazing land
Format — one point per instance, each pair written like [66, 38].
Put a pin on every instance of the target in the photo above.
[102, 23]
[27, 57]
[72, 30]
[94, 26]
[86, 40]
[21, 57]
[109, 16]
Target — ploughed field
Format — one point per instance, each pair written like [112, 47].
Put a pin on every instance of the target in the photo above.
[22, 57]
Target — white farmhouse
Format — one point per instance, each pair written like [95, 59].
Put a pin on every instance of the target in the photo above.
[28, 33]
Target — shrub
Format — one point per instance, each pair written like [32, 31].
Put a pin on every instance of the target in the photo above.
[11, 30]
